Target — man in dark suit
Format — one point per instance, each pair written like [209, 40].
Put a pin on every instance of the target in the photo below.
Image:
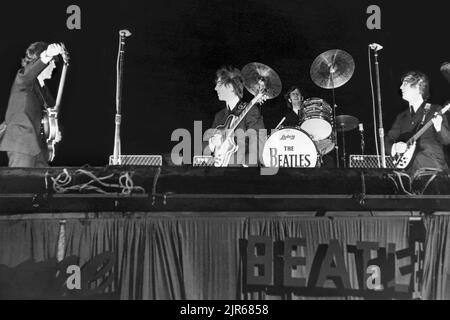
[22, 138]
[250, 141]
[415, 90]
[293, 112]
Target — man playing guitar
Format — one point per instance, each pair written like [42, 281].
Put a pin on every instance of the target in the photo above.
[229, 88]
[23, 140]
[429, 146]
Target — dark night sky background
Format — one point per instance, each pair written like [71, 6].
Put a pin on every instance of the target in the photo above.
[177, 45]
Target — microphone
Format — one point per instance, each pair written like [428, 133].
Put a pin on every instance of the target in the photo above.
[375, 46]
[125, 33]
[361, 132]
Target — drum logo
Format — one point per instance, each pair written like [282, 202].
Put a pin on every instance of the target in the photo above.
[289, 160]
[287, 136]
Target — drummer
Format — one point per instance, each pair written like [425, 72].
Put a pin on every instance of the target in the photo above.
[293, 114]
[294, 100]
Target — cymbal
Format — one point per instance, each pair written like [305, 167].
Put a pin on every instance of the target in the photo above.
[445, 70]
[254, 72]
[346, 123]
[332, 69]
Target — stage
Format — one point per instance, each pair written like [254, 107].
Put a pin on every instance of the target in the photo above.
[197, 189]
[221, 233]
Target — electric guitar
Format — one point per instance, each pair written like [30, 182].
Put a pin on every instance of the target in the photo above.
[223, 152]
[403, 160]
[50, 117]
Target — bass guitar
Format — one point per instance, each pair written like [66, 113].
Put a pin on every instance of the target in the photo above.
[223, 152]
[50, 117]
[403, 160]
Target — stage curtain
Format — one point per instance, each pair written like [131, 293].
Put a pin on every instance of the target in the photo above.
[27, 248]
[192, 257]
[436, 274]
[22, 240]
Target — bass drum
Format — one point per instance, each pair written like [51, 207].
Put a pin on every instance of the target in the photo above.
[292, 148]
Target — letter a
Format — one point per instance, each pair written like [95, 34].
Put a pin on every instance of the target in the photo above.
[74, 281]
[181, 153]
[374, 21]
[74, 20]
[374, 280]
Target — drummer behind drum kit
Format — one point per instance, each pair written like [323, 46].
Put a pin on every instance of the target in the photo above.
[304, 145]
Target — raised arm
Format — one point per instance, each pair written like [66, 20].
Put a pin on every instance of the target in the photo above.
[31, 71]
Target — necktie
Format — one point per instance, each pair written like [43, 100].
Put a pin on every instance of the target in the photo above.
[412, 112]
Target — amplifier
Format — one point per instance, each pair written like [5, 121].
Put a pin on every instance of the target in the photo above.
[137, 160]
[203, 161]
[370, 161]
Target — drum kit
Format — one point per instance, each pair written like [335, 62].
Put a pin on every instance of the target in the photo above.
[303, 146]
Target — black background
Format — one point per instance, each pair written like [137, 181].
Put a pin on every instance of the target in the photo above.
[177, 45]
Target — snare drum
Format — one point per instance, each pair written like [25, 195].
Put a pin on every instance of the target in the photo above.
[290, 147]
[317, 118]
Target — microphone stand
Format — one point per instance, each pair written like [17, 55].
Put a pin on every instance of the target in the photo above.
[361, 132]
[118, 119]
[380, 112]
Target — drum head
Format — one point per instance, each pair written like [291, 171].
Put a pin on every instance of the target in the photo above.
[317, 118]
[318, 128]
[290, 147]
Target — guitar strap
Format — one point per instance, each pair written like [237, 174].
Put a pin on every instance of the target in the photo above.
[425, 113]
[44, 101]
[426, 109]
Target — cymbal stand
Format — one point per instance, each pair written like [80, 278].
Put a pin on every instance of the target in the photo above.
[336, 147]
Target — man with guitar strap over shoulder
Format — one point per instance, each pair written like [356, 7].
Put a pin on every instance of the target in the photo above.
[419, 133]
[229, 88]
[22, 138]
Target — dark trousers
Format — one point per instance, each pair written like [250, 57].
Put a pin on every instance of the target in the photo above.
[22, 160]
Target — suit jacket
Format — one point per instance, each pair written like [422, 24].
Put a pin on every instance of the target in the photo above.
[430, 144]
[24, 113]
[292, 118]
[254, 144]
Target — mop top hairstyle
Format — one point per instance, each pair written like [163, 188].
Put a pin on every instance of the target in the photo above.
[33, 52]
[417, 78]
[230, 75]
[287, 96]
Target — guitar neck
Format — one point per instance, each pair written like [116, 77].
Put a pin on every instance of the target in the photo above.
[61, 87]
[419, 133]
[244, 113]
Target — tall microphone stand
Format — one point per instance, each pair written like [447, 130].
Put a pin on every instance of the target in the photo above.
[380, 111]
[361, 133]
[117, 150]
